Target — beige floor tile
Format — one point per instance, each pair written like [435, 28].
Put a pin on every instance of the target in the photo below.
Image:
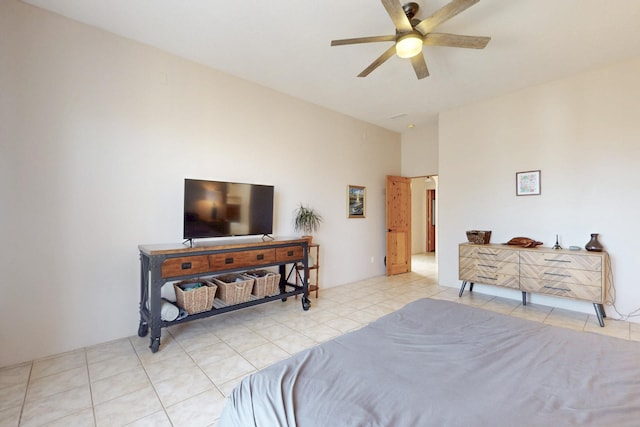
[109, 367]
[274, 331]
[295, 342]
[228, 369]
[501, 305]
[344, 324]
[42, 387]
[184, 384]
[612, 328]
[128, 408]
[10, 417]
[193, 342]
[157, 419]
[83, 418]
[15, 375]
[12, 396]
[245, 341]
[201, 410]
[321, 333]
[537, 313]
[60, 363]
[42, 411]
[567, 319]
[119, 385]
[110, 350]
[264, 355]
[212, 354]
[168, 348]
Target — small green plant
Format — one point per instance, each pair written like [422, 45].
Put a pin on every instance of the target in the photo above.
[306, 219]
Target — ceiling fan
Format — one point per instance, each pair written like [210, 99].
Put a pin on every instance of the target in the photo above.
[411, 34]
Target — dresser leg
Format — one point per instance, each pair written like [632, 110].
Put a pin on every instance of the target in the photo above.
[471, 287]
[600, 313]
[464, 283]
[524, 298]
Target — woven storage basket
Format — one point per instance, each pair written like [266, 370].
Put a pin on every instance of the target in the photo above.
[195, 300]
[266, 283]
[234, 288]
[479, 237]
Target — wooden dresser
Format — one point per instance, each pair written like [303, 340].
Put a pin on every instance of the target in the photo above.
[579, 275]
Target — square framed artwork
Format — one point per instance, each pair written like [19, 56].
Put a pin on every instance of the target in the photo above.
[356, 201]
[528, 183]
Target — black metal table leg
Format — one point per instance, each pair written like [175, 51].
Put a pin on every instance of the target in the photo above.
[524, 298]
[464, 283]
[600, 313]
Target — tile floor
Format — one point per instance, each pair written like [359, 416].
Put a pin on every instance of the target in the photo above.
[122, 383]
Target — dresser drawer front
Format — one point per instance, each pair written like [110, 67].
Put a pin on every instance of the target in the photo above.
[498, 267]
[489, 253]
[569, 290]
[175, 267]
[242, 259]
[549, 259]
[489, 278]
[289, 253]
[564, 275]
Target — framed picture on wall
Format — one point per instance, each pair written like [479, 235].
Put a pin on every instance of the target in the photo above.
[528, 183]
[356, 201]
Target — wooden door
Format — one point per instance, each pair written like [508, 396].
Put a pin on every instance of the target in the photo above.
[431, 220]
[398, 225]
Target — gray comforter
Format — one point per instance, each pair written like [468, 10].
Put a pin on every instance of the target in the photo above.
[438, 363]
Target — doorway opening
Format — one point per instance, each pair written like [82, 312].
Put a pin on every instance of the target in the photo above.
[424, 222]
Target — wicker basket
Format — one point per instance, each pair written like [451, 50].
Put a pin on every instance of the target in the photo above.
[479, 237]
[234, 288]
[195, 300]
[266, 283]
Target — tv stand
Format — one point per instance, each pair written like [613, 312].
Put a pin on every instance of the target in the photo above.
[161, 264]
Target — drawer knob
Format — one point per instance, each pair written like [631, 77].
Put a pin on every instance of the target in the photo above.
[228, 260]
[186, 265]
[289, 253]
[260, 257]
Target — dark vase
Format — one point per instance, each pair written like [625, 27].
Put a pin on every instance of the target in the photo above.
[593, 245]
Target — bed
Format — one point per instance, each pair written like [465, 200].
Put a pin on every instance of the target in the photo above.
[440, 363]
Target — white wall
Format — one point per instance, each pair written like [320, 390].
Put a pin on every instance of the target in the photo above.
[420, 151]
[97, 135]
[583, 133]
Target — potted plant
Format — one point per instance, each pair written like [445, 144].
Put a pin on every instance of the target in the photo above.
[307, 220]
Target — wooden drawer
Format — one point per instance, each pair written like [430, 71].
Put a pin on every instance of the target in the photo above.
[174, 267]
[490, 278]
[489, 253]
[498, 267]
[569, 290]
[563, 275]
[550, 259]
[289, 253]
[241, 259]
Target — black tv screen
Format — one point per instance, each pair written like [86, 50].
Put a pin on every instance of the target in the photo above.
[218, 209]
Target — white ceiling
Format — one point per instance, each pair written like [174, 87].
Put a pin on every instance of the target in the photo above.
[285, 45]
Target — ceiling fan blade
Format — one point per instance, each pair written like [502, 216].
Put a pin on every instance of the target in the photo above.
[420, 66]
[399, 18]
[363, 40]
[443, 14]
[379, 61]
[456, 40]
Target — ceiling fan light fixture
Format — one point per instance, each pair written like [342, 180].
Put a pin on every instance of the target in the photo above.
[409, 45]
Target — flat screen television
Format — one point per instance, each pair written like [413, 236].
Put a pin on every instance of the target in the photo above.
[219, 209]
